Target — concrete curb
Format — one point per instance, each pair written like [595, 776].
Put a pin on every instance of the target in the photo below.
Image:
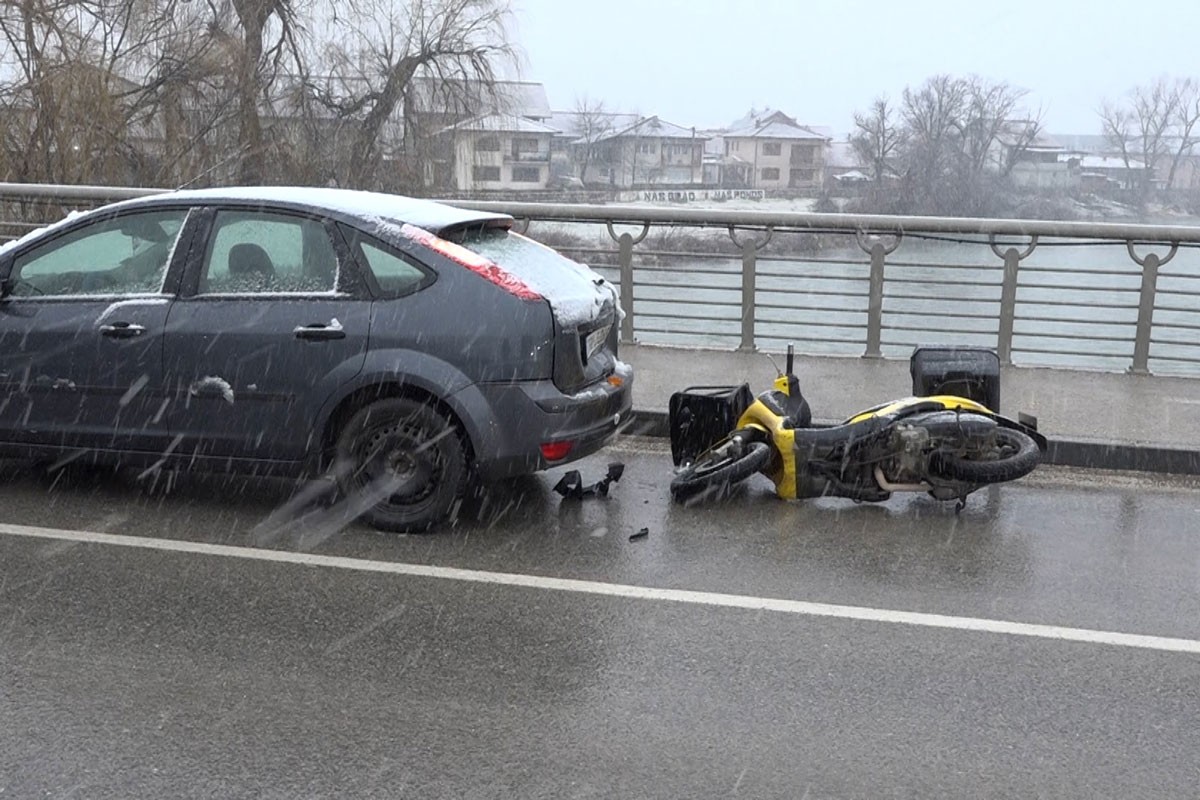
[1122, 456]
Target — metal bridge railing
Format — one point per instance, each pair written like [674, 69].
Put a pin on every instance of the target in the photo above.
[1072, 294]
[1043, 293]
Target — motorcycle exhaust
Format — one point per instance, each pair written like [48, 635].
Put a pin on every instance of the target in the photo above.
[888, 486]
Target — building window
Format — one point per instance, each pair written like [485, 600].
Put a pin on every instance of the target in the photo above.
[525, 145]
[804, 154]
[485, 173]
[488, 144]
[772, 148]
[649, 148]
[770, 173]
[526, 175]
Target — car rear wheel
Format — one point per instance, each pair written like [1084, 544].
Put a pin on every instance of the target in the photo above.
[403, 463]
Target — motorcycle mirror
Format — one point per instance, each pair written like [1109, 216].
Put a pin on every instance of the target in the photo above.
[791, 359]
[778, 372]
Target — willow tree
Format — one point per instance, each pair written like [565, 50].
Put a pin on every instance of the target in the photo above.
[385, 46]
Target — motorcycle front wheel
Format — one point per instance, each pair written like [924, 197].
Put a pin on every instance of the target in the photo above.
[720, 468]
[1015, 455]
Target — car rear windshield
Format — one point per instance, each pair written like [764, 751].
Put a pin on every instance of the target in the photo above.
[576, 293]
[515, 253]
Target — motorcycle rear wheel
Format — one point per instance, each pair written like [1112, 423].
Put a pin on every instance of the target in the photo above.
[1016, 455]
[720, 468]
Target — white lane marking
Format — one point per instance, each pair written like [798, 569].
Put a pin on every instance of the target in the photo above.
[798, 607]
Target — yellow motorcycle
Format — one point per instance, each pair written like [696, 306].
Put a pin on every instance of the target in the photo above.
[944, 444]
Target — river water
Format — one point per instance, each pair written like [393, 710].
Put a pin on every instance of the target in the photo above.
[1077, 302]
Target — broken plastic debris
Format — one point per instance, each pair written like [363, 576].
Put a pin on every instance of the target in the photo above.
[571, 487]
[642, 534]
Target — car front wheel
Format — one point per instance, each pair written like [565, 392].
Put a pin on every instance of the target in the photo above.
[403, 463]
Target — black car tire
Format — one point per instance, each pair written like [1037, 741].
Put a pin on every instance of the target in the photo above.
[1015, 456]
[407, 443]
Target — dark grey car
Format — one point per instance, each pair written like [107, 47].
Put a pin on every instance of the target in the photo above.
[399, 345]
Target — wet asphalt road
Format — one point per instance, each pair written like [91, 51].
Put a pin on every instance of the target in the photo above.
[127, 672]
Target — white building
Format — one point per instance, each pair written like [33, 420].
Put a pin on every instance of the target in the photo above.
[649, 152]
[770, 150]
[499, 152]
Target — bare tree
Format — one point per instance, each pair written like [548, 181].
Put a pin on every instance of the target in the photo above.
[989, 115]
[1183, 126]
[877, 138]
[932, 117]
[592, 121]
[1116, 123]
[66, 106]
[457, 45]
[1018, 136]
[1142, 126]
[257, 65]
[1153, 111]
[952, 128]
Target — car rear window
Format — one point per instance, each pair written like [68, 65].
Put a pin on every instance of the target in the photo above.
[516, 253]
[393, 274]
[576, 293]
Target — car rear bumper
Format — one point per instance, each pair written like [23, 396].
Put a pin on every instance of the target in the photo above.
[525, 416]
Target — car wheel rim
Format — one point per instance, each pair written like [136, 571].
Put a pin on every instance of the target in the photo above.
[400, 454]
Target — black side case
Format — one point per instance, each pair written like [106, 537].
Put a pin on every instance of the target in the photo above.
[971, 372]
[700, 416]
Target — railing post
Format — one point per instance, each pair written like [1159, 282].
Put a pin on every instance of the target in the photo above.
[625, 243]
[1145, 320]
[749, 291]
[878, 252]
[1008, 305]
[875, 304]
[1008, 296]
[750, 249]
[625, 260]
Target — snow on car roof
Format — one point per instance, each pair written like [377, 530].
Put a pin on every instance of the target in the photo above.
[427, 214]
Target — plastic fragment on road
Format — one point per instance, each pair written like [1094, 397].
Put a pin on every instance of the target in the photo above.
[571, 487]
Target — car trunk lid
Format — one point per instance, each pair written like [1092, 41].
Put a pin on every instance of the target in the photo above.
[582, 301]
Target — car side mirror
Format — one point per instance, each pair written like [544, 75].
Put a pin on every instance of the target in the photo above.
[7, 285]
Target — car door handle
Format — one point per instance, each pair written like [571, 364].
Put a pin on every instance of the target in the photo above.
[122, 330]
[319, 332]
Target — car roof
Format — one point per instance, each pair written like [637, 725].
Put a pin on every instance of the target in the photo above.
[428, 214]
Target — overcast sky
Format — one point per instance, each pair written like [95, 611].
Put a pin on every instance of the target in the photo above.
[700, 62]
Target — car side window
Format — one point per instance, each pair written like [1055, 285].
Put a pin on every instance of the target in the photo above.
[261, 252]
[393, 273]
[128, 254]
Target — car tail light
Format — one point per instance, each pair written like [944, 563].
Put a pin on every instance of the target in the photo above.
[553, 451]
[480, 265]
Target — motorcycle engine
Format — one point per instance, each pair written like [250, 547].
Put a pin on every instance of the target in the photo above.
[910, 446]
